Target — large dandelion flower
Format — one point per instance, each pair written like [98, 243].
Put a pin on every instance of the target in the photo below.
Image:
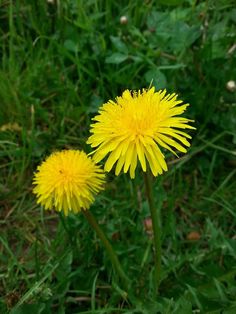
[67, 181]
[136, 127]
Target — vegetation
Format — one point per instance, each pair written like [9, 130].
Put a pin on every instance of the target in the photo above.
[60, 61]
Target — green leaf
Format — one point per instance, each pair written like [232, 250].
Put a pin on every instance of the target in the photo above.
[71, 45]
[95, 102]
[233, 15]
[231, 310]
[157, 78]
[171, 2]
[120, 45]
[37, 308]
[183, 36]
[116, 58]
[183, 306]
[62, 272]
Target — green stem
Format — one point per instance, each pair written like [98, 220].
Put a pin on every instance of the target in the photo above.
[156, 226]
[114, 259]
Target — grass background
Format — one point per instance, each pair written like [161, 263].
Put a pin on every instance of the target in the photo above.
[60, 61]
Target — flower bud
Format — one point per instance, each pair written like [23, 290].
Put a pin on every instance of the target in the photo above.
[123, 20]
[231, 86]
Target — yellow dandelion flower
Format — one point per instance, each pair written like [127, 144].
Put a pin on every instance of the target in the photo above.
[68, 181]
[135, 127]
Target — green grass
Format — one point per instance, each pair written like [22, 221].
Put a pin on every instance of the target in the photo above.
[60, 62]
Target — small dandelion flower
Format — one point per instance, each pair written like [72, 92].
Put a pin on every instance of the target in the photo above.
[67, 181]
[135, 127]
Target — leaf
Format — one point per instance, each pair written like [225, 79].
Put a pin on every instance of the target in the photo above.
[119, 44]
[65, 265]
[183, 306]
[37, 308]
[157, 78]
[71, 45]
[116, 58]
[231, 310]
[183, 36]
[171, 2]
[64, 269]
[95, 102]
[158, 20]
[233, 15]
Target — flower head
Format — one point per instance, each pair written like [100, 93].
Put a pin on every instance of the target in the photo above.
[67, 181]
[135, 127]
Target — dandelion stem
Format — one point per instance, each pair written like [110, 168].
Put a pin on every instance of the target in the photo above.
[156, 225]
[114, 259]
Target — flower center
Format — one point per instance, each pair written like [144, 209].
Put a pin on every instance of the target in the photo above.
[66, 175]
[139, 125]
